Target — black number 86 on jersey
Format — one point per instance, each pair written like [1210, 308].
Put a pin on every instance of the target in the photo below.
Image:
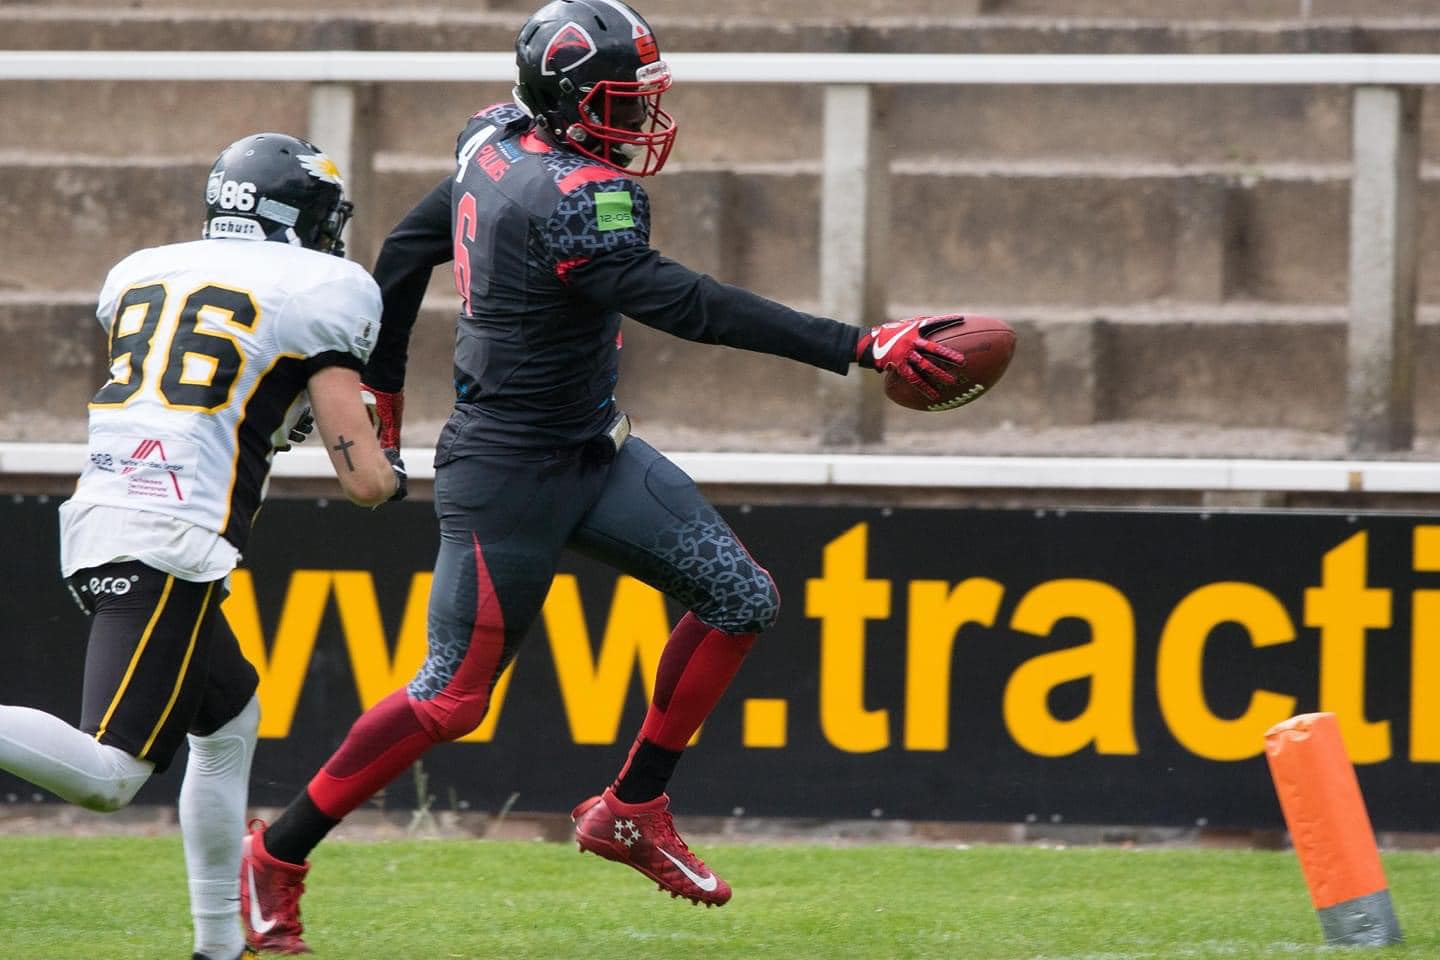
[201, 366]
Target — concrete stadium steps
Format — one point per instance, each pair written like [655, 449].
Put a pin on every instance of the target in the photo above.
[749, 123]
[1252, 366]
[1209, 9]
[1165, 10]
[55, 361]
[731, 123]
[960, 234]
[108, 121]
[283, 27]
[720, 123]
[1210, 223]
[81, 217]
[1241, 367]
[1170, 10]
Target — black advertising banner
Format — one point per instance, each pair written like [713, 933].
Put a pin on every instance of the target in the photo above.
[1116, 666]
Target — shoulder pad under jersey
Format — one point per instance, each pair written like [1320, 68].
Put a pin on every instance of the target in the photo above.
[507, 118]
[573, 171]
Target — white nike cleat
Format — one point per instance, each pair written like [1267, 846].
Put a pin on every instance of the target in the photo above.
[642, 835]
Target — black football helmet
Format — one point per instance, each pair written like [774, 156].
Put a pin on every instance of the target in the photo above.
[589, 71]
[270, 186]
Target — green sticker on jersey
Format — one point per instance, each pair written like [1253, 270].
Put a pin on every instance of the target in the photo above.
[614, 210]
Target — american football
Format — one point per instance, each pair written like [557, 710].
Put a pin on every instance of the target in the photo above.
[987, 343]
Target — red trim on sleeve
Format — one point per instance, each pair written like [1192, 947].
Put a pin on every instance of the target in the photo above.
[563, 268]
[532, 141]
[586, 174]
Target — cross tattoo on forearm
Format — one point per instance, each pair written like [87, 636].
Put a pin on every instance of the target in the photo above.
[344, 447]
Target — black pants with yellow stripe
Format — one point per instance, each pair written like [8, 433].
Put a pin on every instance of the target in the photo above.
[161, 661]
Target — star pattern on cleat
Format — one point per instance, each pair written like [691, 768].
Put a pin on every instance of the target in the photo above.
[627, 832]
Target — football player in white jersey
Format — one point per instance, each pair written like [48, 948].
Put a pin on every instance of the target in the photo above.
[216, 349]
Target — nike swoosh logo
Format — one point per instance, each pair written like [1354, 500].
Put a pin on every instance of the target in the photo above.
[880, 349]
[708, 884]
[258, 923]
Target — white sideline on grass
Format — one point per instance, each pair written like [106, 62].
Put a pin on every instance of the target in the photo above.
[889, 470]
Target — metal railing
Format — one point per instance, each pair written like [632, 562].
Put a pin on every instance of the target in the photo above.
[1384, 188]
[877, 471]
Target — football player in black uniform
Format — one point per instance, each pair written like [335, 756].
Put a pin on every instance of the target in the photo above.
[549, 237]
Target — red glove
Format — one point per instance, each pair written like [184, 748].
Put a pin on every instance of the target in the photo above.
[387, 411]
[901, 346]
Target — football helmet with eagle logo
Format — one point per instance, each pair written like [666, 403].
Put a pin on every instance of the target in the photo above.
[590, 73]
[271, 186]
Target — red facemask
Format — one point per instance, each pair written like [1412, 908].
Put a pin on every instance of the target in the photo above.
[622, 125]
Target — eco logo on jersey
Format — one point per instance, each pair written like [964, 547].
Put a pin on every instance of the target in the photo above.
[321, 167]
[614, 210]
[570, 47]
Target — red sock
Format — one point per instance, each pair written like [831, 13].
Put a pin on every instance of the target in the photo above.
[695, 669]
[382, 743]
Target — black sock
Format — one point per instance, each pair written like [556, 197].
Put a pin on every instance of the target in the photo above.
[650, 771]
[298, 830]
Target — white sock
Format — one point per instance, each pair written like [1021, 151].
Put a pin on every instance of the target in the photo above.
[73, 765]
[212, 822]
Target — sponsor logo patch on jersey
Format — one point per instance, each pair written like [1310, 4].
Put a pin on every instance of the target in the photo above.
[321, 167]
[136, 469]
[614, 210]
[510, 150]
[492, 162]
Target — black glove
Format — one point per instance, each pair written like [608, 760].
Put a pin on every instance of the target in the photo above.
[301, 431]
[401, 478]
[303, 427]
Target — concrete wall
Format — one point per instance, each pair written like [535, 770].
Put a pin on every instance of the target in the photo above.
[1169, 255]
[960, 238]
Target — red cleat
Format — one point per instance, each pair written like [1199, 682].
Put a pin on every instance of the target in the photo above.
[270, 892]
[642, 835]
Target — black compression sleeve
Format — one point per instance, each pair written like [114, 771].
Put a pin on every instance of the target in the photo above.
[331, 358]
[419, 243]
[669, 296]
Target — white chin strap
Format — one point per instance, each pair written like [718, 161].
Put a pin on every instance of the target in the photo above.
[520, 101]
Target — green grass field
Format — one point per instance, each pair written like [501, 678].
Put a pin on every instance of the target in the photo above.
[124, 897]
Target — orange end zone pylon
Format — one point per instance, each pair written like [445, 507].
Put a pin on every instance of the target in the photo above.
[1331, 831]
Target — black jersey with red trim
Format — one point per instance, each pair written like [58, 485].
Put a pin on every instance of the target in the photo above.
[550, 248]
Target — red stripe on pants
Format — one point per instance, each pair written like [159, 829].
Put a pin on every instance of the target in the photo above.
[695, 669]
[459, 708]
[383, 742]
[396, 731]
